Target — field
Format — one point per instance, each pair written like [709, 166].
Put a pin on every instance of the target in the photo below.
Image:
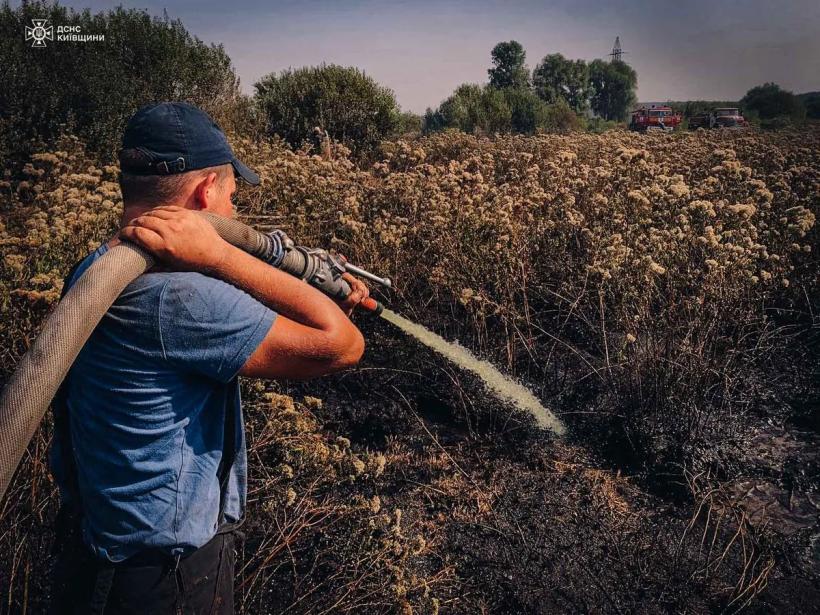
[660, 293]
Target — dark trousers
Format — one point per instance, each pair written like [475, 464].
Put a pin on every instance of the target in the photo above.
[150, 582]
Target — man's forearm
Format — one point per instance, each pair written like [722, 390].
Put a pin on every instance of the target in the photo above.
[280, 291]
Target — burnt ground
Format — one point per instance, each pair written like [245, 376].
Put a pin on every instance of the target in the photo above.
[409, 488]
[517, 522]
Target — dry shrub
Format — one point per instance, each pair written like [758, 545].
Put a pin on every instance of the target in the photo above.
[318, 531]
[54, 209]
[650, 284]
[725, 531]
[633, 277]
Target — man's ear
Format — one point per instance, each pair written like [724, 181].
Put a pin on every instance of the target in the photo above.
[205, 193]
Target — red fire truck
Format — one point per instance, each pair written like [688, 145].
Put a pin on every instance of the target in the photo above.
[654, 117]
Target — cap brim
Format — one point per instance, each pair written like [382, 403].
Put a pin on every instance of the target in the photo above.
[245, 173]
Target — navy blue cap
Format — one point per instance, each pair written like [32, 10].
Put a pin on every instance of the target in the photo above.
[175, 137]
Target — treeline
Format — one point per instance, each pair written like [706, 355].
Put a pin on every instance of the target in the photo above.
[689, 108]
[556, 96]
[92, 88]
[811, 101]
[774, 105]
[768, 105]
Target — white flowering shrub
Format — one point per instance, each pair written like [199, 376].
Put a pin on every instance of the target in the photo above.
[650, 288]
[642, 268]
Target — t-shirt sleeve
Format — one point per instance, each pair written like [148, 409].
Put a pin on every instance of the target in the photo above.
[210, 327]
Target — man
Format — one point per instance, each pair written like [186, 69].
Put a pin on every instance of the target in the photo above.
[149, 447]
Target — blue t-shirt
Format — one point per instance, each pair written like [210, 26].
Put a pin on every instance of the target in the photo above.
[147, 399]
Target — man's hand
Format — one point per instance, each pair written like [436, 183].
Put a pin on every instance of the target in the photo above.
[184, 241]
[359, 292]
[179, 238]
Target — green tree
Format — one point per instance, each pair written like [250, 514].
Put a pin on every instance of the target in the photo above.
[490, 110]
[770, 100]
[433, 121]
[472, 108]
[560, 117]
[527, 111]
[509, 69]
[95, 87]
[612, 87]
[408, 123]
[344, 102]
[558, 78]
[464, 109]
[498, 116]
[811, 100]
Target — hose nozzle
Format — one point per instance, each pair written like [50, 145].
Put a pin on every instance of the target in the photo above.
[372, 306]
[320, 269]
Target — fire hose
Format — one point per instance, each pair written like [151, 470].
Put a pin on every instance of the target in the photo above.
[28, 393]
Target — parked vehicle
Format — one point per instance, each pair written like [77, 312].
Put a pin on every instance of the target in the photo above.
[724, 117]
[654, 118]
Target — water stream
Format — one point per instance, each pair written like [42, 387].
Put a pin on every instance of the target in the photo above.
[503, 386]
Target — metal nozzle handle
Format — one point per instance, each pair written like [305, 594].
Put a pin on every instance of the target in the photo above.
[366, 274]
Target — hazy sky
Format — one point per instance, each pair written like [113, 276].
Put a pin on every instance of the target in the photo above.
[712, 49]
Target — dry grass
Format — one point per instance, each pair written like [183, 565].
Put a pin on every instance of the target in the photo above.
[646, 286]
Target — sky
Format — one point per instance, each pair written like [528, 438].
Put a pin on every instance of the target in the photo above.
[422, 50]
